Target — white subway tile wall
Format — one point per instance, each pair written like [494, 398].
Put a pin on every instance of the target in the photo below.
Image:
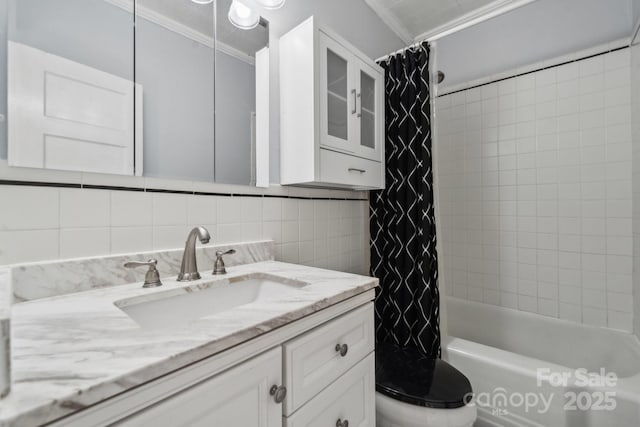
[534, 181]
[42, 223]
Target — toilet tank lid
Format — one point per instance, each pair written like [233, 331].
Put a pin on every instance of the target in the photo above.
[407, 375]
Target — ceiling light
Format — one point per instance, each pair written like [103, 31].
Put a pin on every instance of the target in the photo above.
[202, 1]
[271, 4]
[242, 16]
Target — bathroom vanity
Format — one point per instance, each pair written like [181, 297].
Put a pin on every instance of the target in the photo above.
[291, 346]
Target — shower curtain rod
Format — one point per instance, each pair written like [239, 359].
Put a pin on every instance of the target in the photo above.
[492, 10]
[404, 49]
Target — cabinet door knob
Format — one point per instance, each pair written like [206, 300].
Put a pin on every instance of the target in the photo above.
[342, 349]
[341, 423]
[278, 393]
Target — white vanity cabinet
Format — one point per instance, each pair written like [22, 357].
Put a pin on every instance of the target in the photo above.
[318, 370]
[332, 111]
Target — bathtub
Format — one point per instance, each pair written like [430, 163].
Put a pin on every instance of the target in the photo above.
[531, 370]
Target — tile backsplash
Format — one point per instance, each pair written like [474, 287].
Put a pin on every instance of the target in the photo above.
[50, 223]
[53, 278]
[534, 181]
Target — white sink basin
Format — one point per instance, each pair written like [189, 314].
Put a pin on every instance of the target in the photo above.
[192, 302]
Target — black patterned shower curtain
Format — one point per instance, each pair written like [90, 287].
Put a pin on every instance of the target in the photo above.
[402, 217]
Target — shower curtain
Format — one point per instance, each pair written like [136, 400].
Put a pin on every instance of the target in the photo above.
[402, 216]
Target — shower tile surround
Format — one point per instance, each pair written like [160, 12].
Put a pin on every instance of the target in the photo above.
[534, 180]
[47, 224]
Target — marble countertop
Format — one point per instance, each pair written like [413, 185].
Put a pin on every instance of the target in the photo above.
[76, 350]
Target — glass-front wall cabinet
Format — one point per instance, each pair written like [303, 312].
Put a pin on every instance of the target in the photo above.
[350, 102]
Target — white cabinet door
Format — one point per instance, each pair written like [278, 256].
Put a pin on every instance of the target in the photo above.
[337, 96]
[351, 102]
[68, 116]
[369, 112]
[238, 397]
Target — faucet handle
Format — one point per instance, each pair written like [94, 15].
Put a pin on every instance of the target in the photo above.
[218, 266]
[152, 278]
[229, 252]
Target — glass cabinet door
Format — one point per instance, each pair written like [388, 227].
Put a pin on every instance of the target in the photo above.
[338, 96]
[368, 111]
[337, 93]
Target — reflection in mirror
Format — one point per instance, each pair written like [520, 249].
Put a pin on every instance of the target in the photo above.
[175, 65]
[113, 99]
[70, 86]
[241, 66]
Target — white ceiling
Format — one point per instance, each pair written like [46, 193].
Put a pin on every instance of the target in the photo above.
[412, 19]
[539, 31]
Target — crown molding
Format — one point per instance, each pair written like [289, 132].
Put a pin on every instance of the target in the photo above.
[391, 21]
[181, 29]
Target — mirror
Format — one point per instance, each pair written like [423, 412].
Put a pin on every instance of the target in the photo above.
[241, 64]
[70, 87]
[183, 96]
[174, 60]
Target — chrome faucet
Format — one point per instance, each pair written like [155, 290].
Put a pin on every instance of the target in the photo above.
[189, 268]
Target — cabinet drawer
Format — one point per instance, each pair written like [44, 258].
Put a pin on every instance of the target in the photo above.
[350, 399]
[344, 169]
[312, 361]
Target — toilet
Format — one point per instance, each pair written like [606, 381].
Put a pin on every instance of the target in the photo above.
[413, 390]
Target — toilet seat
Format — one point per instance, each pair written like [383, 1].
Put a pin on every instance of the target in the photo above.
[415, 390]
[409, 376]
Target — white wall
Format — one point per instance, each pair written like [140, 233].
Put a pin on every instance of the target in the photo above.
[3, 72]
[534, 182]
[39, 224]
[635, 96]
[538, 31]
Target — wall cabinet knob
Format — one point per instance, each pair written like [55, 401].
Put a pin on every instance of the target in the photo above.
[278, 393]
[342, 349]
[341, 423]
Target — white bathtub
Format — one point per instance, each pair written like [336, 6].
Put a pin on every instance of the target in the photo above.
[512, 357]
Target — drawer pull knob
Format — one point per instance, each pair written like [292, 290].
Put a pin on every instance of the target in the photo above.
[357, 170]
[341, 423]
[342, 349]
[278, 393]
